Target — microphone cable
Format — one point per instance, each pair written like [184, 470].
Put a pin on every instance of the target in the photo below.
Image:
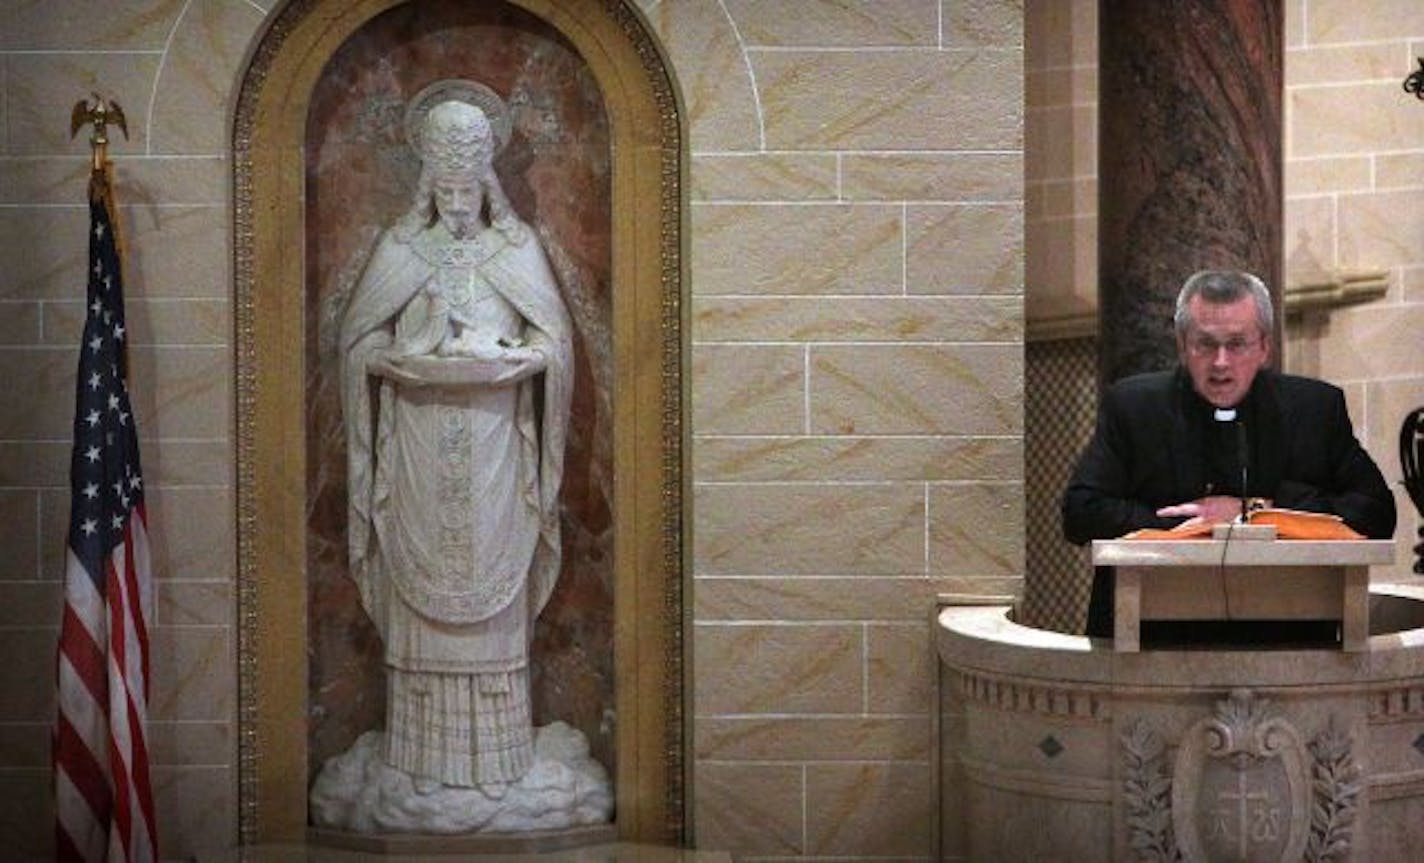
[1221, 570]
[1229, 415]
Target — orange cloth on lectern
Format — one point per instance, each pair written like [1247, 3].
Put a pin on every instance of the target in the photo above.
[1289, 523]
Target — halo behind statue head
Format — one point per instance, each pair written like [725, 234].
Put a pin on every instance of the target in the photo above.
[459, 90]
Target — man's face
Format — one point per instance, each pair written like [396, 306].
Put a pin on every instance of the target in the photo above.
[458, 200]
[1223, 349]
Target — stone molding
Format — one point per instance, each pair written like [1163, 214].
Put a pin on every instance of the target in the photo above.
[1404, 702]
[1020, 696]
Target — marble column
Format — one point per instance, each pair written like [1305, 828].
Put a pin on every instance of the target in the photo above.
[1189, 162]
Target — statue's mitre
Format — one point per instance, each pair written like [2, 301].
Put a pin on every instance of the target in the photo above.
[456, 138]
[456, 126]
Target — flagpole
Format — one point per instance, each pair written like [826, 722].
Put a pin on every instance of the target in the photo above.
[103, 789]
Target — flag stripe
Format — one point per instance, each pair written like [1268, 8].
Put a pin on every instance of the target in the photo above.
[82, 652]
[87, 778]
[78, 836]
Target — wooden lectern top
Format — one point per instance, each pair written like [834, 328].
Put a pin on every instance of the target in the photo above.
[1242, 552]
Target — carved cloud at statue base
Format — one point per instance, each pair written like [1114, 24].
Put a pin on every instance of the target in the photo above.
[565, 787]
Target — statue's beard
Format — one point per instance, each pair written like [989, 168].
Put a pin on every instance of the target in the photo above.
[461, 226]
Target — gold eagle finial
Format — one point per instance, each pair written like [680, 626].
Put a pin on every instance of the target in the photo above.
[100, 115]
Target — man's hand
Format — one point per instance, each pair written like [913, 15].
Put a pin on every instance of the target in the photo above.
[1215, 509]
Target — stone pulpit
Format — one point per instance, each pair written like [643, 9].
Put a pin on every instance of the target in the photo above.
[1062, 747]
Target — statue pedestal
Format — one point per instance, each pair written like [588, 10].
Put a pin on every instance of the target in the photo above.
[464, 846]
[1057, 747]
[1241, 579]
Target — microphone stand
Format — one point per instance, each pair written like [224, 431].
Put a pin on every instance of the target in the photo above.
[1229, 415]
[1240, 527]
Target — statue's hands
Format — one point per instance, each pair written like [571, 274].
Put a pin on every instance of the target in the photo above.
[1214, 509]
[494, 366]
[394, 366]
[519, 362]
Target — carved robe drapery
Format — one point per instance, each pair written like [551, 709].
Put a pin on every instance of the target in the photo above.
[454, 473]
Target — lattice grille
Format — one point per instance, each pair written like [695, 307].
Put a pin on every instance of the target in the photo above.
[1061, 397]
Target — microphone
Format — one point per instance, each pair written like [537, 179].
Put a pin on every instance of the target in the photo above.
[1228, 415]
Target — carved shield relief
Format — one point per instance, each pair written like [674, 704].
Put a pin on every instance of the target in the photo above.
[1241, 786]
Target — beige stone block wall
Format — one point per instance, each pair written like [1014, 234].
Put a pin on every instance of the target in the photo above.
[856, 204]
[870, 226]
[1060, 169]
[1355, 203]
[172, 66]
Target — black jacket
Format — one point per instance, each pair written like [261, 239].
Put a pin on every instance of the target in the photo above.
[1156, 444]
[1153, 448]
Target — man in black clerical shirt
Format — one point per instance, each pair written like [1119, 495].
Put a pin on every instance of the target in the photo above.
[1178, 445]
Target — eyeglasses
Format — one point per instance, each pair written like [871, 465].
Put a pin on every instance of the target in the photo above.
[1206, 346]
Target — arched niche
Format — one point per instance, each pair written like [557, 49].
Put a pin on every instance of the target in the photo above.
[288, 250]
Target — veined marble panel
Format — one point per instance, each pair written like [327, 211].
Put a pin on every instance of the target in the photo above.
[190, 104]
[1331, 64]
[819, 598]
[916, 389]
[138, 181]
[797, 249]
[982, 24]
[964, 249]
[847, 458]
[782, 177]
[1375, 342]
[976, 529]
[41, 88]
[1328, 174]
[1370, 227]
[984, 177]
[769, 668]
[20, 513]
[900, 667]
[757, 809]
[809, 529]
[167, 321]
[1334, 121]
[856, 319]
[881, 810]
[187, 672]
[813, 738]
[911, 100]
[826, 23]
[1355, 21]
[78, 25]
[704, 47]
[1399, 170]
[25, 602]
[749, 389]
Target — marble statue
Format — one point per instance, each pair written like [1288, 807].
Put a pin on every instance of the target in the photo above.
[456, 371]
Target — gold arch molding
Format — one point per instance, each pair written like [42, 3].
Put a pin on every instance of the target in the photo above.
[649, 433]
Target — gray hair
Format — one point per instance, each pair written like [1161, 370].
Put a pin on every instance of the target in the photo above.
[1224, 286]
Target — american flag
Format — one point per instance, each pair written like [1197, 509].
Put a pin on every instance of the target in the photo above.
[103, 795]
